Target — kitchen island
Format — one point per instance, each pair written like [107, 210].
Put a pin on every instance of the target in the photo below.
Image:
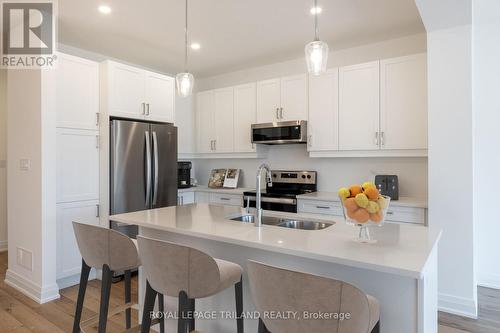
[400, 270]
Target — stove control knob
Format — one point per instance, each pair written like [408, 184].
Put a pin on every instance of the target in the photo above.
[308, 176]
[274, 175]
[303, 176]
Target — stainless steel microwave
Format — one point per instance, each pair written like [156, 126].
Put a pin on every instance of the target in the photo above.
[280, 133]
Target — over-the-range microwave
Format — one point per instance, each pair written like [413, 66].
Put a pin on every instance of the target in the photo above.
[284, 132]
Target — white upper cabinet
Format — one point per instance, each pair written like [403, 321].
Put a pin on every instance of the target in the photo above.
[293, 98]
[245, 114]
[282, 99]
[268, 100]
[205, 121]
[403, 92]
[359, 106]
[323, 125]
[224, 120]
[160, 97]
[77, 82]
[135, 93]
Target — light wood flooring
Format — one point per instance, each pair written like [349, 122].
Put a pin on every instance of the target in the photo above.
[19, 314]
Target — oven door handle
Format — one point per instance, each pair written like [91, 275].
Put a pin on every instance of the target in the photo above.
[272, 200]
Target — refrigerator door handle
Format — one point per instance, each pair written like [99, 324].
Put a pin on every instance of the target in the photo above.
[155, 149]
[148, 169]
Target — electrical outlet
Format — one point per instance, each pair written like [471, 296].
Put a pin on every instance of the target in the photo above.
[24, 164]
[25, 258]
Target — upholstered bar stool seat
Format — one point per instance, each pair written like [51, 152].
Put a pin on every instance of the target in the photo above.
[111, 251]
[276, 289]
[181, 271]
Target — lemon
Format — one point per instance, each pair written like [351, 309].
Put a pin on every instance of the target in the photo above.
[368, 185]
[362, 200]
[373, 207]
[344, 193]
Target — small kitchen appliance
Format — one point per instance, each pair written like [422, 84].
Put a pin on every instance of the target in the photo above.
[184, 174]
[286, 186]
[284, 132]
[388, 185]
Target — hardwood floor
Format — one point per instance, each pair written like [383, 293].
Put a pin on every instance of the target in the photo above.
[19, 314]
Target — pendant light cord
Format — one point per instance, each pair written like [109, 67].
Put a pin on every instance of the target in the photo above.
[316, 29]
[186, 40]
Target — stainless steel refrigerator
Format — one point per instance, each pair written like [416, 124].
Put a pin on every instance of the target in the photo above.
[143, 162]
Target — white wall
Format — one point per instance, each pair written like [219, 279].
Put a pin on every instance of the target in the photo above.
[333, 172]
[451, 149]
[486, 53]
[31, 193]
[3, 157]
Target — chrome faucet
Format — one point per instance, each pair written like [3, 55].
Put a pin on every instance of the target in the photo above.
[269, 180]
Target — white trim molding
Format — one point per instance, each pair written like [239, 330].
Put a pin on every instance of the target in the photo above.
[459, 306]
[3, 245]
[488, 280]
[37, 293]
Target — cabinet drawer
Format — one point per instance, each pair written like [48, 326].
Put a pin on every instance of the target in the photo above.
[226, 199]
[406, 214]
[320, 207]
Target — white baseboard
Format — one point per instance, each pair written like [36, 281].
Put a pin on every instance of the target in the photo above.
[74, 280]
[3, 246]
[35, 292]
[459, 306]
[488, 280]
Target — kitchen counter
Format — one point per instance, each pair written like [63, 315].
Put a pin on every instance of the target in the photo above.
[400, 270]
[236, 191]
[332, 196]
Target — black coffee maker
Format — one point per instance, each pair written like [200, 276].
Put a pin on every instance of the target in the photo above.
[184, 174]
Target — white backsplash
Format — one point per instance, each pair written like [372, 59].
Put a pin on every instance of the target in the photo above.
[333, 173]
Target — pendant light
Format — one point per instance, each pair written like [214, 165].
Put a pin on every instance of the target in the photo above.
[185, 81]
[316, 51]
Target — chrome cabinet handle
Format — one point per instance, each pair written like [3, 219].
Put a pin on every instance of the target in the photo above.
[147, 108]
[309, 141]
[322, 207]
[143, 108]
[376, 138]
[390, 213]
[382, 138]
[225, 199]
[212, 145]
[98, 210]
[277, 113]
[281, 113]
[215, 144]
[156, 165]
[148, 168]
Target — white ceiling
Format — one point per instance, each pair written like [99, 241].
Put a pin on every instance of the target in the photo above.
[233, 34]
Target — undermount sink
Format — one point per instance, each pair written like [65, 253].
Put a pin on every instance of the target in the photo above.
[284, 222]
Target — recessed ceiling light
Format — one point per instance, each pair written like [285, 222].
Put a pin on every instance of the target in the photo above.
[316, 10]
[103, 9]
[195, 46]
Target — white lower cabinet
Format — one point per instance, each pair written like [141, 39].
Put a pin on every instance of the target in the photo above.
[226, 199]
[185, 198]
[399, 214]
[69, 258]
[202, 197]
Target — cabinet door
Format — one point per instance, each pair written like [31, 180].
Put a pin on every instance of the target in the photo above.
[268, 100]
[159, 97]
[403, 102]
[77, 101]
[293, 98]
[77, 165]
[126, 91]
[202, 197]
[224, 120]
[359, 107]
[205, 121]
[245, 114]
[323, 125]
[69, 258]
[186, 198]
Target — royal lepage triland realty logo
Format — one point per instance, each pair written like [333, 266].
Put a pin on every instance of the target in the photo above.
[28, 34]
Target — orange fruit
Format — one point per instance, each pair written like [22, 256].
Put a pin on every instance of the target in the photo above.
[361, 215]
[371, 193]
[377, 217]
[355, 190]
[351, 213]
[350, 204]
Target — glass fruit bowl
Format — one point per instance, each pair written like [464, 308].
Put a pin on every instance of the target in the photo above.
[365, 213]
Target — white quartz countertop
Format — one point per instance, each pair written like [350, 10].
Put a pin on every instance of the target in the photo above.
[331, 196]
[401, 249]
[236, 191]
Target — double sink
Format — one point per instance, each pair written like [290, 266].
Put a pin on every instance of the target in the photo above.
[284, 222]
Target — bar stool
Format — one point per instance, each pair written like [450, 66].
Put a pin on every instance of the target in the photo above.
[110, 251]
[276, 289]
[183, 272]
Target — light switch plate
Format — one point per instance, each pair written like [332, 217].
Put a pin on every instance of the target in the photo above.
[24, 164]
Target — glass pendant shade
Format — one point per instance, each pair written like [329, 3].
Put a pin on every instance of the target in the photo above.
[184, 83]
[316, 57]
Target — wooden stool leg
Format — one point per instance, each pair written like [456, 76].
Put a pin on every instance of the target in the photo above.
[262, 327]
[149, 304]
[191, 320]
[107, 276]
[128, 298]
[161, 308]
[84, 277]
[238, 289]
